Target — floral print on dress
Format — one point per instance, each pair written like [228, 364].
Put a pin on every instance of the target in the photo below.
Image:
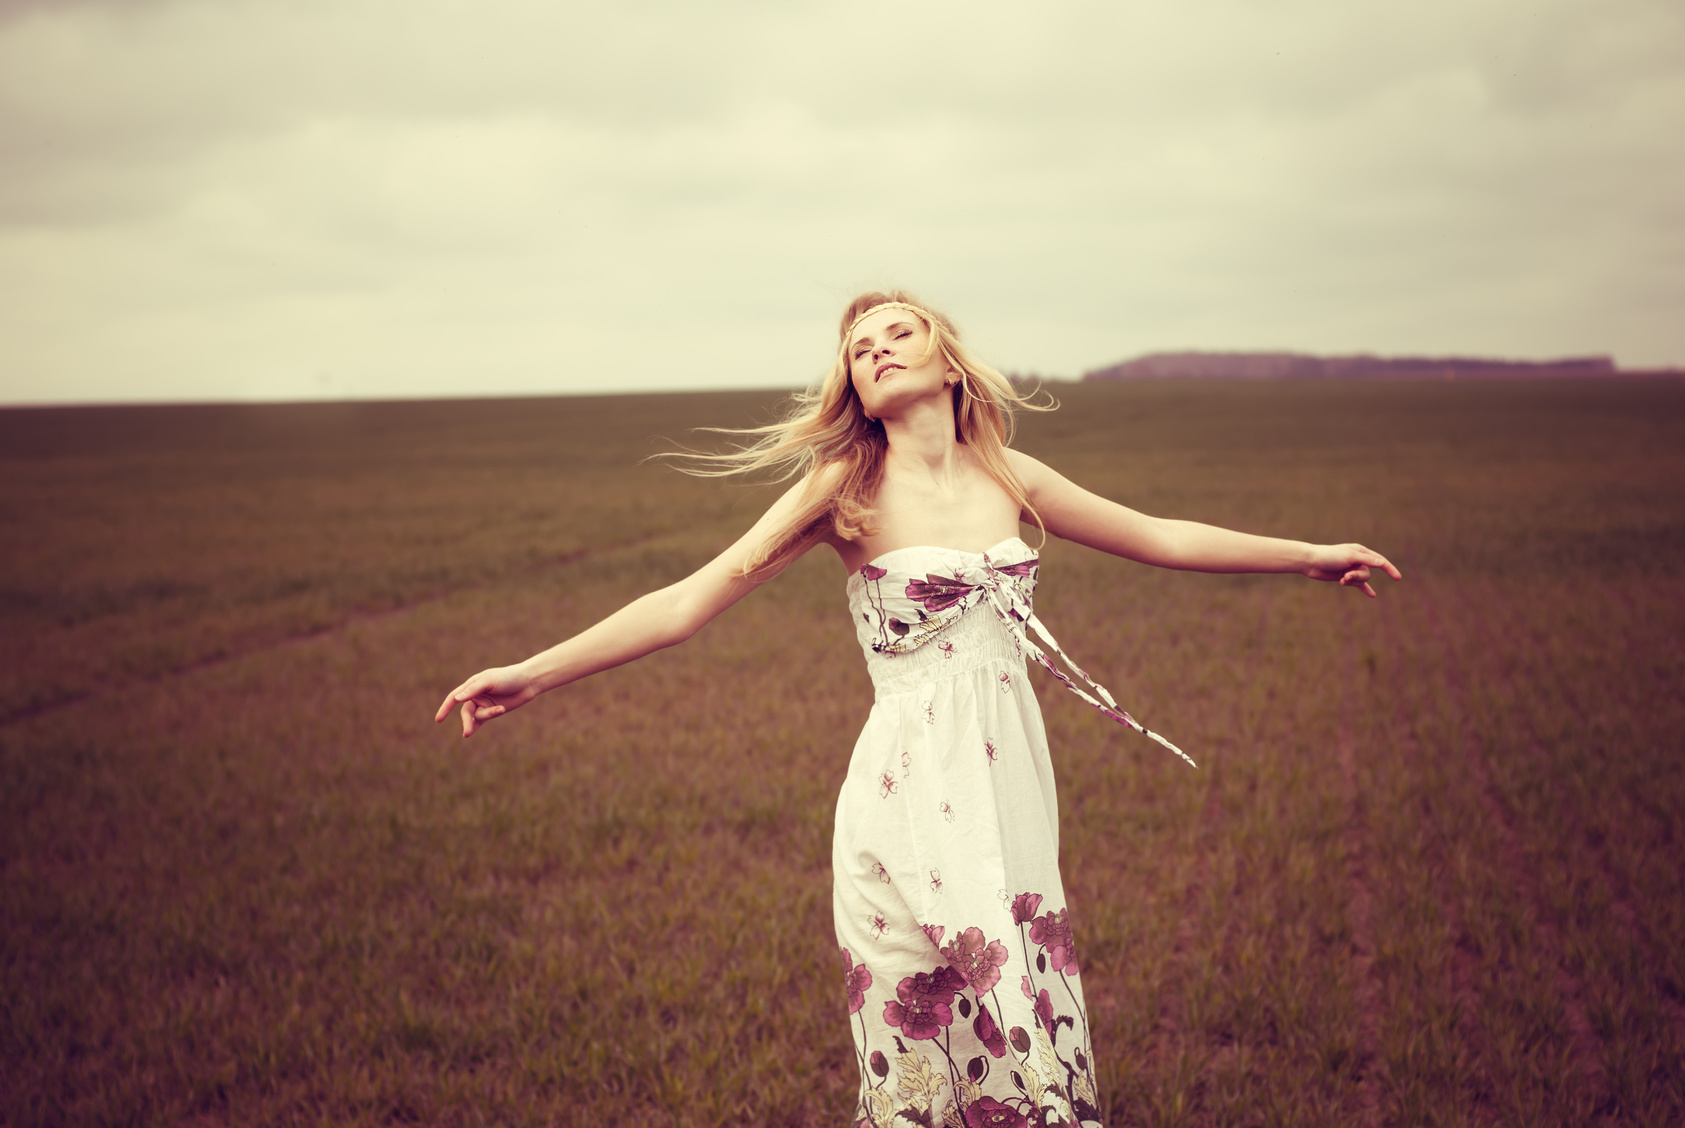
[979, 962]
[1043, 1003]
[1050, 1083]
[856, 980]
[1053, 933]
[929, 606]
[873, 575]
[937, 602]
[939, 593]
[987, 1032]
[987, 1112]
[969, 1020]
[921, 1007]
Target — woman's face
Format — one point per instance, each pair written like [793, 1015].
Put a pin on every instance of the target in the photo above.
[883, 362]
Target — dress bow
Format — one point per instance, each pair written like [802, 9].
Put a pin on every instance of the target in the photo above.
[1019, 618]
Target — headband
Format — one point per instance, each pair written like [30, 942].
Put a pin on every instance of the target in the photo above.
[926, 315]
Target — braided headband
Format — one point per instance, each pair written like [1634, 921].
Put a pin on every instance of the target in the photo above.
[928, 318]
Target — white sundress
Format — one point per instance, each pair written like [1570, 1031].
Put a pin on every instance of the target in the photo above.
[957, 954]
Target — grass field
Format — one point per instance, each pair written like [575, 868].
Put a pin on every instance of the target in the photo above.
[1430, 871]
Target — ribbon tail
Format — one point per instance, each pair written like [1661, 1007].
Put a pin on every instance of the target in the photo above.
[1047, 637]
[1151, 735]
[1019, 623]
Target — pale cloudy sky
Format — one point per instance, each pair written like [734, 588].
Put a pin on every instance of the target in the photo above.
[276, 199]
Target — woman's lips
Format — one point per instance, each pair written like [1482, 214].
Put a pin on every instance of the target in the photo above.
[882, 368]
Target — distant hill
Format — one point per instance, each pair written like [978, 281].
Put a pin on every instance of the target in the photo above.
[1301, 366]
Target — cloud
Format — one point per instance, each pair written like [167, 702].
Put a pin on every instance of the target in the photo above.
[372, 198]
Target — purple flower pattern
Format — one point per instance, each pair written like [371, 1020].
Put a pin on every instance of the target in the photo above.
[978, 962]
[938, 600]
[1053, 932]
[922, 1003]
[941, 1054]
[987, 1112]
[988, 1032]
[1024, 907]
[856, 981]
[938, 593]
[927, 1010]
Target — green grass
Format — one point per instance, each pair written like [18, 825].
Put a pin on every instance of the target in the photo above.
[1428, 873]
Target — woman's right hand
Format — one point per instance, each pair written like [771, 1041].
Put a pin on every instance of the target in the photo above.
[489, 694]
[661, 618]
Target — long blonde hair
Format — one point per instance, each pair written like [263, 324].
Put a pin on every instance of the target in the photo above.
[827, 425]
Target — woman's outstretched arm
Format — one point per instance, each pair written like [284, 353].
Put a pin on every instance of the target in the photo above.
[1076, 514]
[651, 622]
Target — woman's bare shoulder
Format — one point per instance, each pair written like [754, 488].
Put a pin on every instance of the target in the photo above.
[827, 475]
[824, 480]
[1031, 472]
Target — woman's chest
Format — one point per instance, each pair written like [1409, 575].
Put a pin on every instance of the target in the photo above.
[971, 516]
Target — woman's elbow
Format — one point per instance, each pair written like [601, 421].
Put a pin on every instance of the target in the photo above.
[683, 615]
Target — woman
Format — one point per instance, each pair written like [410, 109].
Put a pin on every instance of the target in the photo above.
[957, 954]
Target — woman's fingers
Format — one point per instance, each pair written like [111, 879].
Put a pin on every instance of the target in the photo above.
[1356, 573]
[1358, 578]
[474, 687]
[452, 700]
[486, 695]
[1375, 560]
[477, 710]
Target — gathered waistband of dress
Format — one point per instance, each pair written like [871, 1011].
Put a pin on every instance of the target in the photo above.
[976, 640]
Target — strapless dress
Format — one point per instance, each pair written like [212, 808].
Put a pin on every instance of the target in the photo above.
[958, 959]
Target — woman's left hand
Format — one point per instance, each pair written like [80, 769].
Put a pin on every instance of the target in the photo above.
[1349, 564]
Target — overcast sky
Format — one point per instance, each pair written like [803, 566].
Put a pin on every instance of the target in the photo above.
[279, 199]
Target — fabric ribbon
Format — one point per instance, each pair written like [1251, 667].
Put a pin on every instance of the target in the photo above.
[1019, 618]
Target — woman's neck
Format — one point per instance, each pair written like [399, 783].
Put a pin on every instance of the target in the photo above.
[922, 439]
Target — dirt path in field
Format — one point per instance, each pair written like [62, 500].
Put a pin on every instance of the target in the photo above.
[1584, 1043]
[355, 618]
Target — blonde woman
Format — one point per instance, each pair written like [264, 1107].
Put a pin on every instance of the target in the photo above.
[957, 957]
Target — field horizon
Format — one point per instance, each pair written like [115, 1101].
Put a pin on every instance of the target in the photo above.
[1475, 369]
[1427, 873]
